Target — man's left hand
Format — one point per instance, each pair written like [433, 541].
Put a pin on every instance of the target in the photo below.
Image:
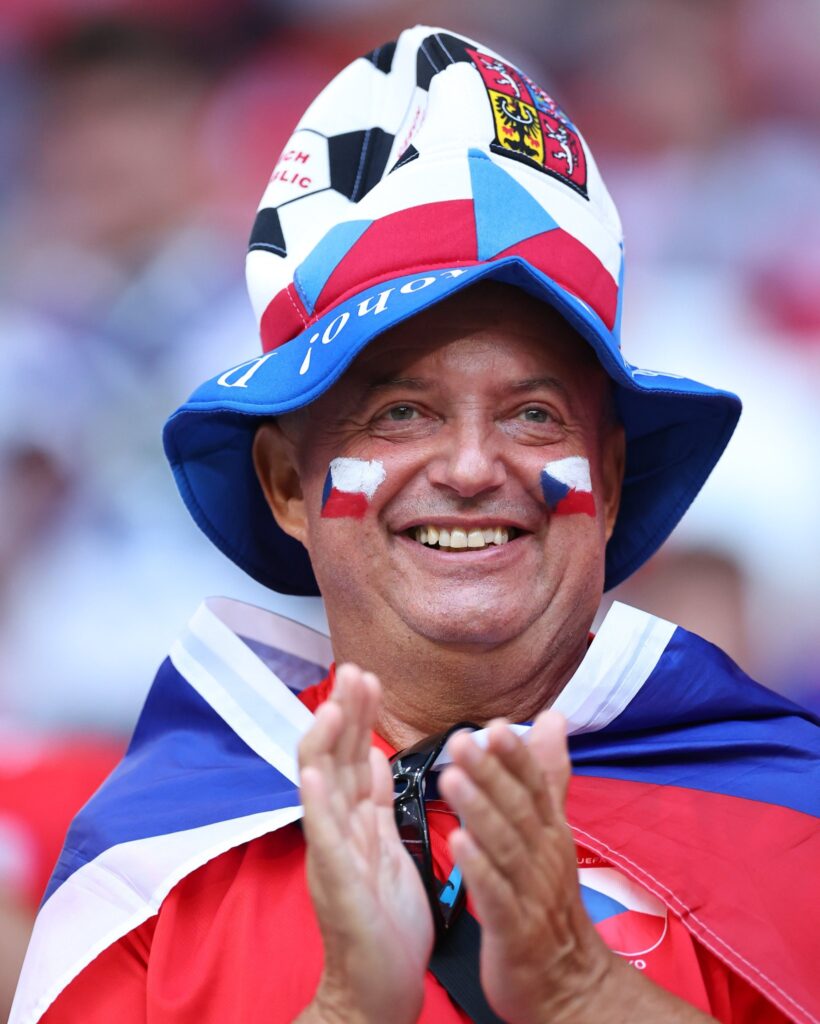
[541, 957]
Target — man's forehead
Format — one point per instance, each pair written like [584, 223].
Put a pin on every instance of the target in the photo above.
[493, 319]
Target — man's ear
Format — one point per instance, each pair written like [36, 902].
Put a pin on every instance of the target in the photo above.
[275, 464]
[613, 462]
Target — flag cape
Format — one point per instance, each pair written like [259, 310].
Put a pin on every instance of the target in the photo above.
[694, 781]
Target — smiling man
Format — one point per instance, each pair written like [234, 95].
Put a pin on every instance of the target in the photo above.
[443, 439]
[464, 408]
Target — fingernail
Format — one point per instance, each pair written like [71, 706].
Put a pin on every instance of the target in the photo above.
[503, 737]
[470, 750]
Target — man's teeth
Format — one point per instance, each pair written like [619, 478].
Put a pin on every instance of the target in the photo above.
[440, 536]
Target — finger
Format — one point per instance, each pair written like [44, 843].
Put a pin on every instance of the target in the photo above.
[506, 848]
[512, 798]
[514, 754]
[359, 695]
[548, 745]
[316, 753]
[333, 855]
[370, 696]
[369, 828]
[349, 695]
[494, 898]
[320, 740]
[383, 797]
[320, 824]
[382, 780]
[353, 695]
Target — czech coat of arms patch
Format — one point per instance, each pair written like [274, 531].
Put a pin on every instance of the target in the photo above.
[529, 124]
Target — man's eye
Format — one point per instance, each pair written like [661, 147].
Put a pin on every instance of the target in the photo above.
[401, 412]
[535, 415]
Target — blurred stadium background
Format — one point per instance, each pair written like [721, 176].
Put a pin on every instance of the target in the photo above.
[137, 139]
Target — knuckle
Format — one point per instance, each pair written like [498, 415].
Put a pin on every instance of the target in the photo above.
[508, 852]
[521, 816]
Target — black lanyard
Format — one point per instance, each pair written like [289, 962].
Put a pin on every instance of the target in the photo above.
[454, 962]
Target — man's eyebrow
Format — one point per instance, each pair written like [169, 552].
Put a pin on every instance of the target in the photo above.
[410, 383]
[423, 384]
[539, 383]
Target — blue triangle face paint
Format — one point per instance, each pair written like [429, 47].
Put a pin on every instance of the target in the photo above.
[567, 487]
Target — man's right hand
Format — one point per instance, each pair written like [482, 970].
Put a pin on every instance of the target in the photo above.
[369, 899]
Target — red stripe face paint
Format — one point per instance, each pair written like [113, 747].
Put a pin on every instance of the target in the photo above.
[349, 487]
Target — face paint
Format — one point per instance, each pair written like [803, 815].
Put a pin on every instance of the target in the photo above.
[567, 487]
[349, 487]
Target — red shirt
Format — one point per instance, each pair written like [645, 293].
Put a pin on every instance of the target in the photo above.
[237, 940]
[44, 781]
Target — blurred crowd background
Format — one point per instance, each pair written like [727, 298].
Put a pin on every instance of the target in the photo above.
[137, 138]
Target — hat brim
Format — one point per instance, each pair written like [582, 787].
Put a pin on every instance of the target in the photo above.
[676, 428]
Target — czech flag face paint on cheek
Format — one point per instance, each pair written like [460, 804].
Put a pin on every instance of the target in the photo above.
[567, 487]
[349, 487]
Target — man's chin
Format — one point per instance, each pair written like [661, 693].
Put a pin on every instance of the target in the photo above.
[469, 625]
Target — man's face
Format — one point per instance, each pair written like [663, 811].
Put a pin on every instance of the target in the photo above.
[463, 406]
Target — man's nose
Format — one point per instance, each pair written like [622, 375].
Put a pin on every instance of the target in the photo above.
[468, 460]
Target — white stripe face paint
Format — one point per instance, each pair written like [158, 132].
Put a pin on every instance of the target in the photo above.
[349, 487]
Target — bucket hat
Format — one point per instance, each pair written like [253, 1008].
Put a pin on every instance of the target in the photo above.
[426, 166]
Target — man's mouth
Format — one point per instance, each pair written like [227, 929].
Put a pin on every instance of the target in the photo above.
[457, 539]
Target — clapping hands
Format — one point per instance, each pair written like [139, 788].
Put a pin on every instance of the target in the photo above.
[541, 958]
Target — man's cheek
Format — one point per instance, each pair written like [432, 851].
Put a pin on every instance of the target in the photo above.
[567, 487]
[349, 487]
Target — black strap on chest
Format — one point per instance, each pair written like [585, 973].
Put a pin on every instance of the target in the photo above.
[454, 962]
[455, 965]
